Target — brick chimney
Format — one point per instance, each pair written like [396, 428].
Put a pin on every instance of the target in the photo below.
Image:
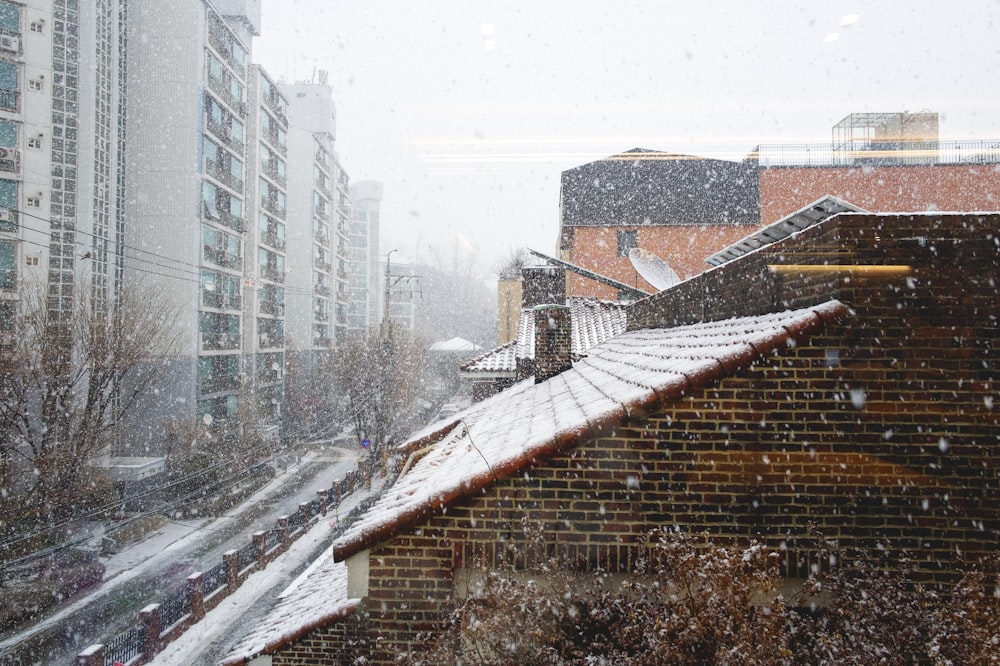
[541, 285]
[553, 340]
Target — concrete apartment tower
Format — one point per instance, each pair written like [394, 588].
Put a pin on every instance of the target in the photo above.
[363, 256]
[62, 167]
[319, 206]
[188, 202]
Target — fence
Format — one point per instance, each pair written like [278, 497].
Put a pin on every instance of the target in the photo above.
[161, 623]
[878, 153]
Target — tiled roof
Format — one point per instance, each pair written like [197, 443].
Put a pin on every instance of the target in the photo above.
[316, 598]
[594, 321]
[637, 370]
[501, 360]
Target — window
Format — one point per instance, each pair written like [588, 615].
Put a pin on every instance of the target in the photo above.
[7, 272]
[10, 17]
[35, 142]
[37, 26]
[9, 89]
[34, 84]
[8, 205]
[34, 202]
[626, 241]
[8, 134]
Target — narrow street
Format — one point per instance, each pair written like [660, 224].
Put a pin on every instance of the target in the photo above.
[146, 571]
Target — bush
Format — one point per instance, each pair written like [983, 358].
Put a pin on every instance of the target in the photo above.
[689, 600]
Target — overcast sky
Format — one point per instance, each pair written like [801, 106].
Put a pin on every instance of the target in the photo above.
[467, 110]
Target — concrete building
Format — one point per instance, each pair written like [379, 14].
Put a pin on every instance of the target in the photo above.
[363, 256]
[317, 240]
[62, 163]
[188, 197]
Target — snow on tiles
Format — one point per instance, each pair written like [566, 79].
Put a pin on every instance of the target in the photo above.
[495, 437]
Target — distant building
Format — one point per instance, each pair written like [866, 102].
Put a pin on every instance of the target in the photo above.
[401, 288]
[363, 255]
[684, 208]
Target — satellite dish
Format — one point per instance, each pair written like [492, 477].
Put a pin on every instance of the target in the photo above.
[653, 269]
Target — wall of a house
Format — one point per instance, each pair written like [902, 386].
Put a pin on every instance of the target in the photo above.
[881, 432]
[944, 187]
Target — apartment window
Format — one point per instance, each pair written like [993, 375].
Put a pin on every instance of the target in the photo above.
[34, 202]
[37, 26]
[626, 241]
[10, 17]
[35, 85]
[7, 273]
[9, 90]
[8, 134]
[35, 142]
[8, 205]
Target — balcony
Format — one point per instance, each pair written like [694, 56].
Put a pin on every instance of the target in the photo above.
[223, 133]
[218, 40]
[274, 140]
[237, 224]
[268, 341]
[323, 188]
[276, 105]
[8, 220]
[271, 206]
[323, 214]
[321, 290]
[219, 341]
[221, 89]
[321, 265]
[271, 171]
[217, 383]
[10, 160]
[273, 308]
[272, 239]
[272, 273]
[223, 258]
[216, 171]
[322, 159]
[216, 299]
[10, 100]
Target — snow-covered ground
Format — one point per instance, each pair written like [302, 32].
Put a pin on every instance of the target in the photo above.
[172, 542]
[210, 639]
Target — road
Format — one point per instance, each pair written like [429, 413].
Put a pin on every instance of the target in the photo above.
[150, 570]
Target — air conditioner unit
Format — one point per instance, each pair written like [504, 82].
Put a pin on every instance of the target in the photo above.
[10, 43]
[6, 215]
[8, 154]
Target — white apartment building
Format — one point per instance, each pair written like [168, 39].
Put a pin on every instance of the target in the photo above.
[319, 204]
[62, 121]
[363, 256]
[189, 205]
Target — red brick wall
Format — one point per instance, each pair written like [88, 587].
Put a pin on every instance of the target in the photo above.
[882, 432]
[965, 187]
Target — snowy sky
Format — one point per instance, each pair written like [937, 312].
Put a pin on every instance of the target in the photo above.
[468, 110]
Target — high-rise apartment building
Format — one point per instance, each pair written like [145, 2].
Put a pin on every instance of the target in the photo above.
[317, 242]
[363, 256]
[188, 199]
[62, 139]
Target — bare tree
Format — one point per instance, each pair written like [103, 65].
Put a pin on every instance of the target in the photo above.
[67, 380]
[380, 377]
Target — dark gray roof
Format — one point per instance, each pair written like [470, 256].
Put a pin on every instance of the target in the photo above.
[648, 187]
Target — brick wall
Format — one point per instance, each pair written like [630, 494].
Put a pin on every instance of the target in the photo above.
[338, 643]
[882, 432]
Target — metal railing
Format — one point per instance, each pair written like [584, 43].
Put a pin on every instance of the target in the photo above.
[215, 578]
[175, 608]
[878, 153]
[246, 556]
[125, 647]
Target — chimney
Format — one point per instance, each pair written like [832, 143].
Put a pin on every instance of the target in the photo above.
[553, 340]
[541, 285]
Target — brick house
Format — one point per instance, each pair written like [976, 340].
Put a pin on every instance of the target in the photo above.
[842, 377]
[683, 207]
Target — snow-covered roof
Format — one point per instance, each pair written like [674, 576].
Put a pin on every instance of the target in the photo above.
[499, 436]
[316, 597]
[455, 345]
[593, 321]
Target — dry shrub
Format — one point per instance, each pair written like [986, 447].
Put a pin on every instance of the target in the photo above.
[689, 600]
